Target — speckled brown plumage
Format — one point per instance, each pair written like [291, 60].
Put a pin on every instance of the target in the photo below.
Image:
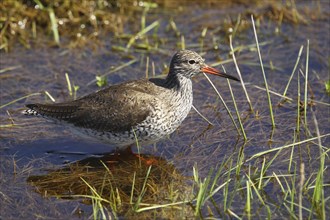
[148, 109]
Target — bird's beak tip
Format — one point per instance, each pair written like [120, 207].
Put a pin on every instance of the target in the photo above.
[213, 71]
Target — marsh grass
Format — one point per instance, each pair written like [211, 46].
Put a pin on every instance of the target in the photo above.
[275, 181]
[113, 70]
[145, 30]
[29, 21]
[18, 99]
[223, 102]
[239, 73]
[306, 85]
[236, 110]
[145, 189]
[263, 74]
[294, 70]
[82, 22]
[72, 88]
[53, 21]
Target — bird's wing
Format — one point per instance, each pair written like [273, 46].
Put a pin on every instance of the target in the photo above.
[113, 109]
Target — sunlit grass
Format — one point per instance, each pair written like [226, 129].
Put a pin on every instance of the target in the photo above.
[99, 210]
[19, 99]
[53, 20]
[223, 102]
[206, 188]
[141, 33]
[218, 192]
[84, 21]
[263, 74]
[237, 111]
[72, 88]
[238, 178]
[294, 70]
[241, 185]
[306, 85]
[239, 73]
[113, 70]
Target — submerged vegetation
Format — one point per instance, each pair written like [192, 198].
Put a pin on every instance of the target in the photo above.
[268, 161]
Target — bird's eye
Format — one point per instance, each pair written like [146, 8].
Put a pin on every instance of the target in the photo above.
[191, 61]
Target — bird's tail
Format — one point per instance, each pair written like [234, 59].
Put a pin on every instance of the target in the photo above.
[56, 111]
[31, 110]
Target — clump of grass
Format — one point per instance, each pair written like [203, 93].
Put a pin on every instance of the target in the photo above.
[143, 191]
[53, 20]
[99, 210]
[72, 88]
[140, 196]
[101, 81]
[80, 21]
[206, 188]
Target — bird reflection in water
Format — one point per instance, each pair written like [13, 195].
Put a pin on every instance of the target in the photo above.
[122, 181]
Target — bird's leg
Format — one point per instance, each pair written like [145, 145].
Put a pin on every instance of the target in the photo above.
[126, 151]
[129, 152]
[119, 155]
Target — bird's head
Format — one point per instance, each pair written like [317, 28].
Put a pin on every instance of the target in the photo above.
[188, 63]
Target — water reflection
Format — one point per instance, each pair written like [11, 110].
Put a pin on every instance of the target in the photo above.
[126, 182]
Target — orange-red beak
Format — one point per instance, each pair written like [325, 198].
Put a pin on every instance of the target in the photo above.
[211, 70]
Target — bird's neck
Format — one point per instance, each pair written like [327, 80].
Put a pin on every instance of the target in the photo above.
[177, 82]
[181, 89]
[180, 97]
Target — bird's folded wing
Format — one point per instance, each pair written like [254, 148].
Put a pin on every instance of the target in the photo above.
[108, 110]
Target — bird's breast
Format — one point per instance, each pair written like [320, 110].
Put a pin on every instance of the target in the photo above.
[177, 106]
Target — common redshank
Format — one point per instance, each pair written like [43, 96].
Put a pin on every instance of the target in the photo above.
[141, 110]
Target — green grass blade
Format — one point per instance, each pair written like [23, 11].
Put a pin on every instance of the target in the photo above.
[294, 69]
[114, 70]
[54, 26]
[306, 84]
[264, 75]
[141, 33]
[223, 102]
[19, 99]
[285, 146]
[237, 112]
[239, 73]
[202, 116]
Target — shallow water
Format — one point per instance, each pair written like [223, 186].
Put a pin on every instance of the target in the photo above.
[35, 147]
